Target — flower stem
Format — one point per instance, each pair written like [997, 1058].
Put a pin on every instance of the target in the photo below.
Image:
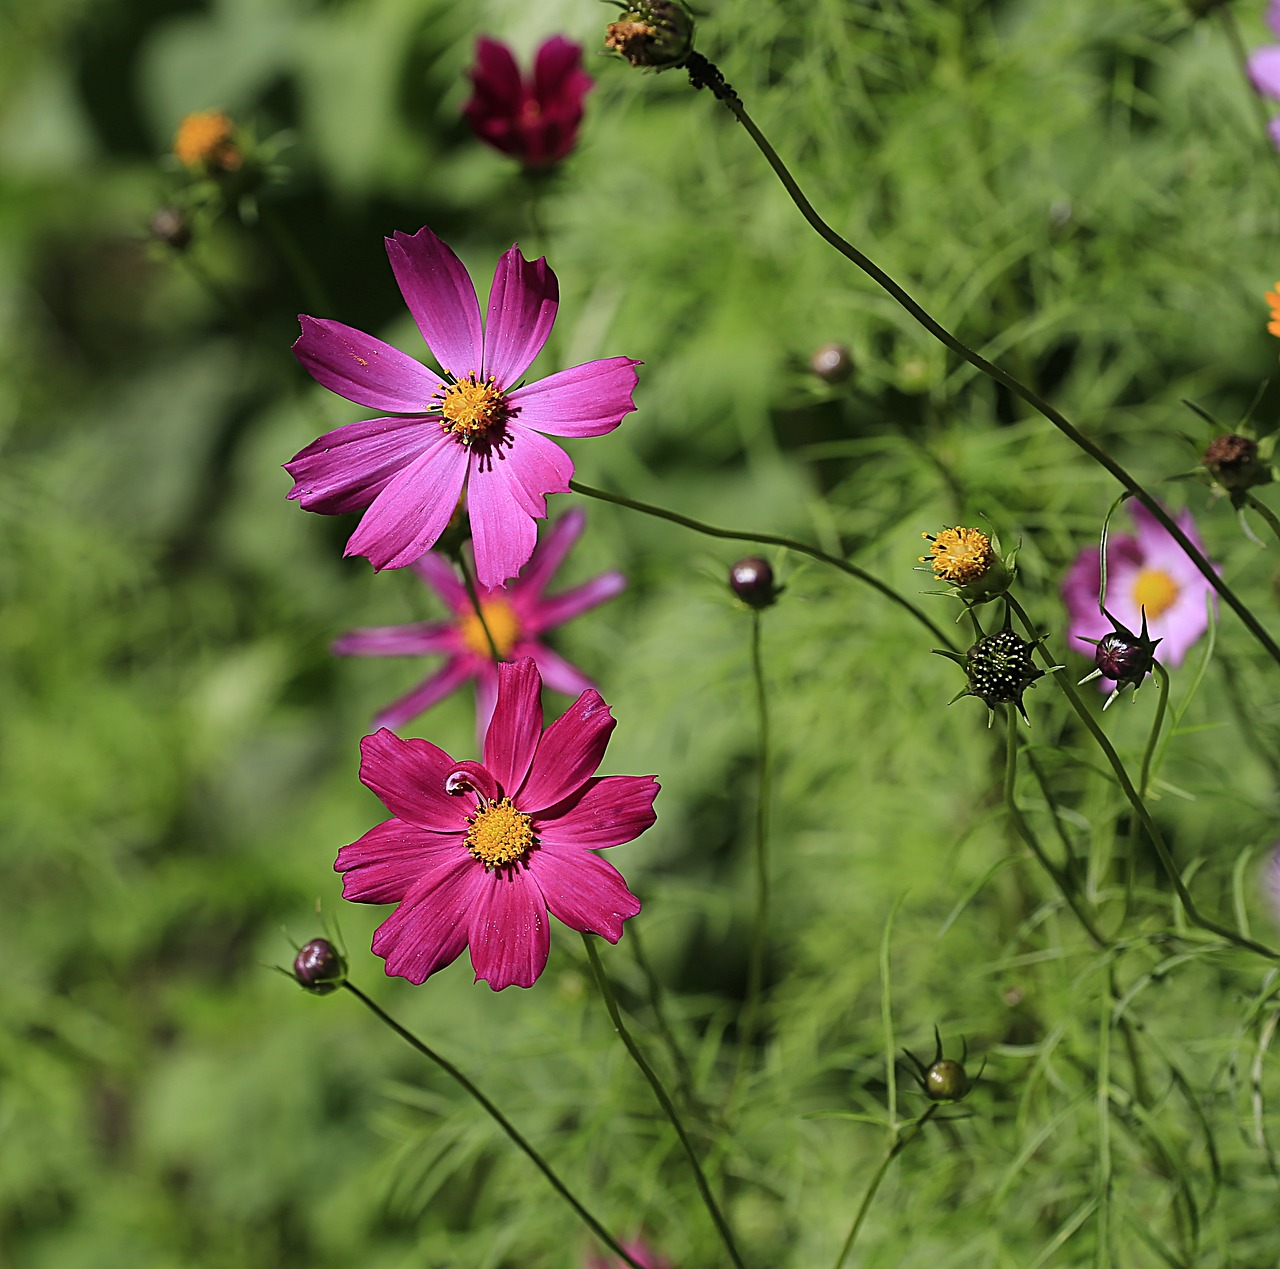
[1015, 385]
[664, 1100]
[1135, 799]
[1144, 777]
[1273, 523]
[474, 595]
[502, 1121]
[901, 1140]
[304, 276]
[769, 539]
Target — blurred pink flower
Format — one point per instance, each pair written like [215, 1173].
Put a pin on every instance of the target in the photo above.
[638, 1252]
[534, 120]
[478, 853]
[470, 429]
[1147, 570]
[1271, 882]
[517, 618]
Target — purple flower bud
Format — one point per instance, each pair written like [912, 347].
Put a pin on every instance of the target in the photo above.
[751, 579]
[319, 968]
[1125, 657]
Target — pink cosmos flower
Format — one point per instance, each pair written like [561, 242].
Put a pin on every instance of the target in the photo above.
[1146, 571]
[638, 1251]
[478, 853]
[534, 120]
[473, 429]
[516, 617]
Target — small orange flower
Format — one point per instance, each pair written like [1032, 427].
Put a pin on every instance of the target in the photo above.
[207, 139]
[1273, 298]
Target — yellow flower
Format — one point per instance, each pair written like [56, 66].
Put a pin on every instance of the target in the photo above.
[207, 139]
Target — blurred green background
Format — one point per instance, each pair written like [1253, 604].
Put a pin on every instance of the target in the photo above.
[1081, 190]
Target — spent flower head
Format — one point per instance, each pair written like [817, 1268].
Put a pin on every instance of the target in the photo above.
[516, 617]
[477, 853]
[533, 119]
[209, 141]
[653, 34]
[970, 562]
[474, 427]
[999, 669]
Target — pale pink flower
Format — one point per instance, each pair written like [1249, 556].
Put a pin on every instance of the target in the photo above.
[638, 1251]
[517, 618]
[472, 430]
[478, 853]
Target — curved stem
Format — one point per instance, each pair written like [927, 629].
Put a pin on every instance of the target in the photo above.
[664, 1100]
[502, 1121]
[474, 595]
[768, 539]
[1144, 777]
[993, 371]
[1273, 522]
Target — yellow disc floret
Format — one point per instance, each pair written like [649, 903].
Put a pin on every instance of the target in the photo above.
[207, 138]
[503, 625]
[472, 407]
[1154, 591]
[499, 834]
[959, 555]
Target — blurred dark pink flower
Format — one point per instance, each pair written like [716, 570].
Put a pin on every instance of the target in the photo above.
[638, 1251]
[1144, 571]
[516, 617]
[534, 120]
[473, 429]
[478, 853]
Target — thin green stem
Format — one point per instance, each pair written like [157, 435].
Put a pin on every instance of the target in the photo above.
[900, 1142]
[502, 1121]
[1144, 777]
[1273, 521]
[768, 539]
[304, 276]
[474, 595]
[1063, 679]
[664, 1100]
[1241, 54]
[993, 371]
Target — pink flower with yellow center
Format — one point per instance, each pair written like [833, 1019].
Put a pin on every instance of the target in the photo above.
[477, 854]
[517, 618]
[1145, 572]
[474, 428]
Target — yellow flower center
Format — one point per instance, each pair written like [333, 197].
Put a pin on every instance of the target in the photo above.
[959, 555]
[207, 138]
[503, 625]
[1155, 591]
[471, 408]
[499, 834]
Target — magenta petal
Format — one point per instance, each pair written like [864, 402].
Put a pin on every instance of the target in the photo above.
[522, 310]
[584, 400]
[441, 576]
[364, 369]
[512, 738]
[345, 470]
[503, 534]
[552, 547]
[389, 860]
[568, 754]
[497, 81]
[486, 699]
[412, 511]
[584, 891]
[557, 673]
[409, 776]
[555, 610]
[510, 934]
[456, 671]
[419, 639]
[1264, 70]
[534, 467]
[558, 77]
[438, 290]
[610, 810]
[429, 928]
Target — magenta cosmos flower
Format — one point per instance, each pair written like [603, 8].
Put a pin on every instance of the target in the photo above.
[471, 430]
[478, 853]
[1146, 571]
[638, 1251]
[534, 120]
[516, 617]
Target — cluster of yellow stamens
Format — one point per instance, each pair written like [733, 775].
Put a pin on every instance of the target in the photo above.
[1154, 592]
[502, 623]
[499, 834]
[471, 407]
[207, 139]
[959, 555]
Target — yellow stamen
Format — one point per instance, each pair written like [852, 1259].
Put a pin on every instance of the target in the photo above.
[207, 139]
[470, 408]
[503, 625]
[959, 555]
[499, 834]
[1155, 591]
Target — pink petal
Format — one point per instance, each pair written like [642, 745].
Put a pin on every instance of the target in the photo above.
[610, 810]
[1264, 70]
[389, 860]
[558, 77]
[502, 533]
[1273, 15]
[440, 575]
[584, 891]
[486, 699]
[512, 738]
[409, 776]
[568, 754]
[438, 290]
[429, 928]
[533, 468]
[364, 369]
[522, 310]
[557, 673]
[419, 639]
[585, 400]
[456, 671]
[550, 552]
[496, 78]
[413, 510]
[345, 470]
[510, 935]
[557, 609]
